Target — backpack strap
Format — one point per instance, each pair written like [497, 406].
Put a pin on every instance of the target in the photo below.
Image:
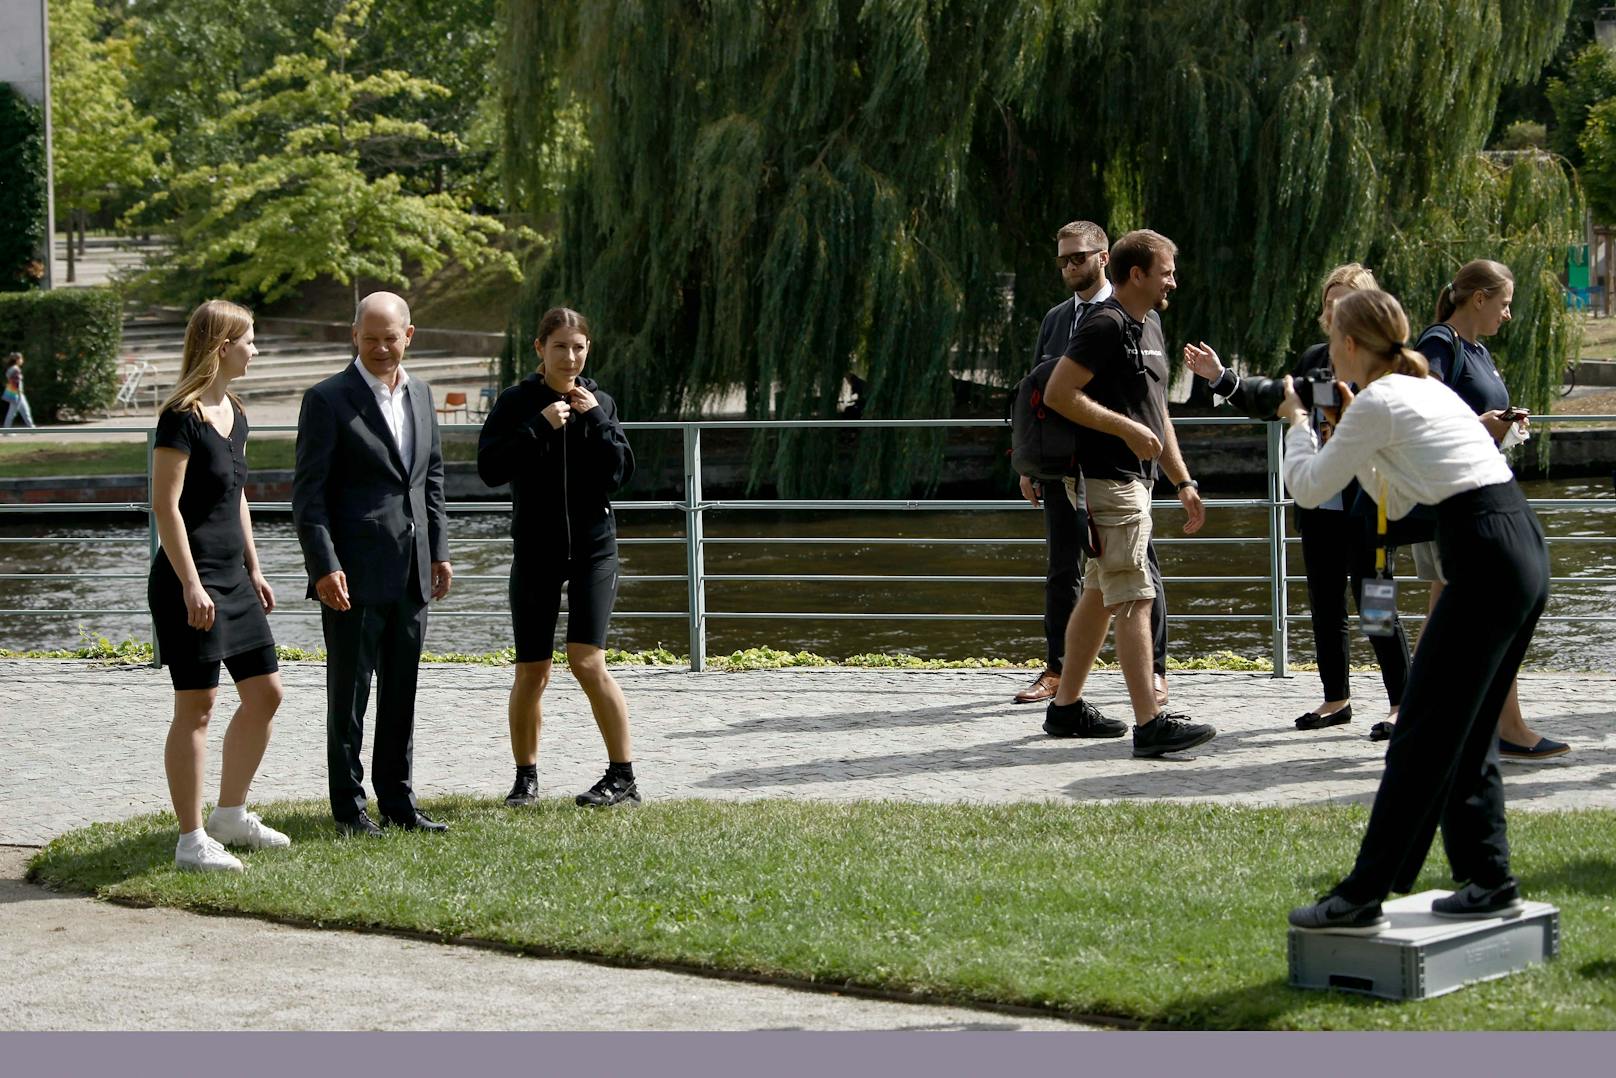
[1443, 331]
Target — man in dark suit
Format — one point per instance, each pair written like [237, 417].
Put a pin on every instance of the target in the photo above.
[367, 498]
[1081, 253]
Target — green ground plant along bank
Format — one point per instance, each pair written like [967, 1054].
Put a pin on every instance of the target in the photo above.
[1170, 915]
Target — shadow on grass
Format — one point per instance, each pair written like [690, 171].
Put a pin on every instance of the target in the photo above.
[1262, 1006]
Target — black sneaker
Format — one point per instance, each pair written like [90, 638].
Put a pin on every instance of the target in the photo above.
[524, 792]
[1472, 902]
[610, 790]
[1332, 913]
[1169, 733]
[1080, 719]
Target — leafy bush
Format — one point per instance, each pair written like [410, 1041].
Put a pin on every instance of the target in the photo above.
[70, 338]
[22, 191]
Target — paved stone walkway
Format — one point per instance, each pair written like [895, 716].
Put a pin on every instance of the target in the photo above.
[81, 741]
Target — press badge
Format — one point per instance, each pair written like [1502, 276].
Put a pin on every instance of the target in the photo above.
[1377, 613]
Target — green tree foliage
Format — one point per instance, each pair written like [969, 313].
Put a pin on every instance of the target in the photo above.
[300, 202]
[777, 192]
[101, 145]
[70, 337]
[1590, 78]
[22, 191]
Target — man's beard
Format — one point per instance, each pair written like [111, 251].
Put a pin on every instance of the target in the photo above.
[1162, 304]
[1086, 282]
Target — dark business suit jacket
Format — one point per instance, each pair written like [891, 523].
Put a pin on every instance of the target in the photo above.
[358, 507]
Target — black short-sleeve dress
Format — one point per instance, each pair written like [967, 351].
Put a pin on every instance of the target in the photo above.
[210, 505]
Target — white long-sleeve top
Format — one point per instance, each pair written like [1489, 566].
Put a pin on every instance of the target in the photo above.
[1414, 433]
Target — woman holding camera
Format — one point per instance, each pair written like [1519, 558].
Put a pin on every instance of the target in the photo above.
[555, 438]
[1410, 441]
[1475, 304]
[1335, 547]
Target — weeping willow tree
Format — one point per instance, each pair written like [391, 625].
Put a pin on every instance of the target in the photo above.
[773, 193]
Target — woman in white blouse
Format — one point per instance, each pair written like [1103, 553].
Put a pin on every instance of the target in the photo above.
[1410, 440]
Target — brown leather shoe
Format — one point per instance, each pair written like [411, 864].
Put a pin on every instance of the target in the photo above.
[1042, 689]
[1159, 683]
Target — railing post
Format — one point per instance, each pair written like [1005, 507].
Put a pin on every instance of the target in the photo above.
[695, 554]
[151, 532]
[1279, 601]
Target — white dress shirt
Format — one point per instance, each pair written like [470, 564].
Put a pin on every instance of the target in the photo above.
[1081, 306]
[1413, 433]
[395, 410]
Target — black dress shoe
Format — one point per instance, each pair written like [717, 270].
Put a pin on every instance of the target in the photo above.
[1314, 721]
[361, 825]
[419, 821]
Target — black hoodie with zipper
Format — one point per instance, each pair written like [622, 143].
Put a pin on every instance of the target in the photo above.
[561, 480]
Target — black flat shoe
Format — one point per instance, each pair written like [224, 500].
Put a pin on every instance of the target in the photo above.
[1381, 731]
[419, 821]
[1314, 721]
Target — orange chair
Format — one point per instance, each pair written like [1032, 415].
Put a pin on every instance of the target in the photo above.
[452, 403]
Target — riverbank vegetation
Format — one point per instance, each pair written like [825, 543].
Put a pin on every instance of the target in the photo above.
[1169, 915]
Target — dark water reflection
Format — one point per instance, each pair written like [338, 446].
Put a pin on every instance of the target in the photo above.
[87, 551]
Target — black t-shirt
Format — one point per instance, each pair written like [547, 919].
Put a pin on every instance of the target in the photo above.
[1478, 383]
[1129, 362]
[210, 500]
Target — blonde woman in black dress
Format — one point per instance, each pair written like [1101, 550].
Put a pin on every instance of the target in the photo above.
[209, 600]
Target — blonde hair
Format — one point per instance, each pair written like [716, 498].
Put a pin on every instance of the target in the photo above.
[1352, 276]
[212, 326]
[1375, 320]
[1482, 275]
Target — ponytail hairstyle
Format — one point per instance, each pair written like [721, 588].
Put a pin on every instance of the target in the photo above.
[1353, 276]
[1375, 320]
[560, 318]
[1482, 275]
[212, 326]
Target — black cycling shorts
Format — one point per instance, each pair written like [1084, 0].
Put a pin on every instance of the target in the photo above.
[536, 603]
[204, 673]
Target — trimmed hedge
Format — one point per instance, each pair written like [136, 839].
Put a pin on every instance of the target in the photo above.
[22, 191]
[70, 338]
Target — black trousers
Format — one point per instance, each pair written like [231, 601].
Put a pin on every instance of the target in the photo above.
[1065, 533]
[1337, 550]
[1442, 760]
[385, 641]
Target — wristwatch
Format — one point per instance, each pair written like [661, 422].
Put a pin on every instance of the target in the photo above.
[1190, 483]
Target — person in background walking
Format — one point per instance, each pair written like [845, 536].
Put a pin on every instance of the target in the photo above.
[208, 597]
[1081, 254]
[16, 402]
[1413, 442]
[1335, 546]
[555, 438]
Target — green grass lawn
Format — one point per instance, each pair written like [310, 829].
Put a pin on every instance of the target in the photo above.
[29, 458]
[1169, 915]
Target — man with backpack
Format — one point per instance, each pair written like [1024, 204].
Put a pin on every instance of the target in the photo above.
[1112, 382]
[1081, 255]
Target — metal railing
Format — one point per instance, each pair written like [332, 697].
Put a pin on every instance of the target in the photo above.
[694, 508]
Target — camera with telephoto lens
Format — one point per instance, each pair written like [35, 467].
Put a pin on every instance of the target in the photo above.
[1263, 396]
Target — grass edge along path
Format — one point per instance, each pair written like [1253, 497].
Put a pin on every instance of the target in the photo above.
[1163, 914]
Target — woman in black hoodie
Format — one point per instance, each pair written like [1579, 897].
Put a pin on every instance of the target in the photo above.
[555, 438]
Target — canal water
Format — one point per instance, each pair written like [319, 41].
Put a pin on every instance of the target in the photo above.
[105, 564]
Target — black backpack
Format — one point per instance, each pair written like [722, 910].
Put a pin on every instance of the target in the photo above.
[1043, 443]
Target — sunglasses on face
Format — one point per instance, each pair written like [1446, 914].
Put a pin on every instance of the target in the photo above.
[1076, 258]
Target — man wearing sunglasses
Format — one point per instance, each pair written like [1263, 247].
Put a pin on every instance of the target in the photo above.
[1081, 255]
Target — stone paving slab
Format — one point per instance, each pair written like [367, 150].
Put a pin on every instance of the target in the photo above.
[82, 741]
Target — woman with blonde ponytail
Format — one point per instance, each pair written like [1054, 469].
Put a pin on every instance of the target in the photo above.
[1410, 441]
[209, 599]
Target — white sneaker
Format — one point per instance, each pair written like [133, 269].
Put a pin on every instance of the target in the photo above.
[205, 856]
[247, 830]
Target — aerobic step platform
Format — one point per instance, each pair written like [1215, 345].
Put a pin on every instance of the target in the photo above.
[1421, 955]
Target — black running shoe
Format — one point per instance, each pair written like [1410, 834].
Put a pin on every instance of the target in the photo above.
[524, 792]
[1332, 913]
[1472, 902]
[1080, 719]
[1170, 733]
[610, 790]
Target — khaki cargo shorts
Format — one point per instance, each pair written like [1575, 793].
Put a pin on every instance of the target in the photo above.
[1119, 520]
